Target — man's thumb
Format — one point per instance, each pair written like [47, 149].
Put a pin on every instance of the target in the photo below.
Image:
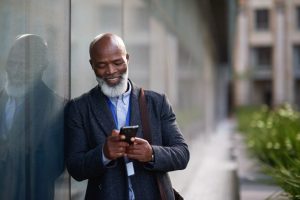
[115, 132]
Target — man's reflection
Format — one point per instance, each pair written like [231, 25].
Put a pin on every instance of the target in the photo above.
[31, 125]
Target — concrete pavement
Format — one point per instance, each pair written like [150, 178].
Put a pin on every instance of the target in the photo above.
[212, 171]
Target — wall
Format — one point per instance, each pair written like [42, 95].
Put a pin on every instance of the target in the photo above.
[34, 85]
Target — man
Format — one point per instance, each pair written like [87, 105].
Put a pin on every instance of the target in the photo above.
[31, 125]
[94, 148]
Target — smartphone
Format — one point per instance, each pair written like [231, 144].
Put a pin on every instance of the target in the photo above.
[129, 132]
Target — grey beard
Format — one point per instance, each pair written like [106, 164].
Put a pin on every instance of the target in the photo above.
[21, 88]
[16, 90]
[116, 90]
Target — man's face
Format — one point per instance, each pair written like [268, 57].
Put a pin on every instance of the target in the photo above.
[109, 63]
[16, 66]
[20, 72]
[25, 62]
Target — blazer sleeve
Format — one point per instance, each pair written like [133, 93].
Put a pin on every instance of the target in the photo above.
[81, 161]
[173, 153]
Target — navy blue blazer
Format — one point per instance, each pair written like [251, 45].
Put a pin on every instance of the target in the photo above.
[89, 121]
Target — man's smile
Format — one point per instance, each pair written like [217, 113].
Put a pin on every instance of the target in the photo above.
[112, 80]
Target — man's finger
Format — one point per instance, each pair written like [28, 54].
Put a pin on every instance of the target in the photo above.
[115, 132]
[114, 138]
[132, 139]
[123, 137]
[139, 140]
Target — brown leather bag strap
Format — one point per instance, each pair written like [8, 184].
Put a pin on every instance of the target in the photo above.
[147, 134]
[144, 116]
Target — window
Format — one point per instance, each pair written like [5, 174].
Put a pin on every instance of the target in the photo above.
[262, 19]
[262, 57]
[298, 17]
[297, 57]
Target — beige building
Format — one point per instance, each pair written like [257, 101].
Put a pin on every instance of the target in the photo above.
[266, 56]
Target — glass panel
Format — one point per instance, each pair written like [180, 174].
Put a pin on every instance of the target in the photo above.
[262, 92]
[298, 17]
[296, 61]
[137, 39]
[296, 92]
[262, 57]
[108, 11]
[262, 19]
[90, 18]
[297, 57]
[34, 85]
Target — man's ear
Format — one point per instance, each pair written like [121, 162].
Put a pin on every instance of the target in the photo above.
[127, 57]
[91, 63]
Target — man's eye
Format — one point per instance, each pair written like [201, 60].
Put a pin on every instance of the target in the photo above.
[100, 65]
[119, 63]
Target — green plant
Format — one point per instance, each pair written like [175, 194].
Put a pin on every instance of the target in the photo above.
[273, 136]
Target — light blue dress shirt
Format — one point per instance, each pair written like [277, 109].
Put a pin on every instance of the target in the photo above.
[121, 109]
[10, 109]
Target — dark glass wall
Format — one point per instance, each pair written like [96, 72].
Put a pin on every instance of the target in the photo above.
[34, 86]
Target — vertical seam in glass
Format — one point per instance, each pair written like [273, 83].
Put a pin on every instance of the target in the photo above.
[69, 74]
[69, 80]
[123, 19]
[28, 181]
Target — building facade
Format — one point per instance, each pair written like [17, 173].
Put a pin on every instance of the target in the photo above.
[266, 54]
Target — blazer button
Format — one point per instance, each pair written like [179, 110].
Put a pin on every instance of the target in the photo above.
[100, 187]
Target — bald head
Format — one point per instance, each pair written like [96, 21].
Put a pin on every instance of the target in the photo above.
[31, 50]
[26, 63]
[27, 58]
[106, 42]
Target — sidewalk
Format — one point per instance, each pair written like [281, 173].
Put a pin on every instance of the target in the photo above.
[211, 173]
[220, 169]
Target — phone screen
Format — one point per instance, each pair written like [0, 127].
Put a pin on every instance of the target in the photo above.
[129, 132]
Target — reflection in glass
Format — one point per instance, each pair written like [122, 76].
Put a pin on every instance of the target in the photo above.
[31, 125]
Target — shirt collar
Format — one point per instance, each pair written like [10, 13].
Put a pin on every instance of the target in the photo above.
[124, 95]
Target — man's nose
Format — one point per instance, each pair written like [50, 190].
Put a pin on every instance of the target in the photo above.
[110, 69]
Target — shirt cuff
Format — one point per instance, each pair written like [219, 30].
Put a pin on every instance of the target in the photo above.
[105, 160]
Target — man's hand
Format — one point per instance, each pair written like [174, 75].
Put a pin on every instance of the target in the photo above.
[141, 150]
[115, 147]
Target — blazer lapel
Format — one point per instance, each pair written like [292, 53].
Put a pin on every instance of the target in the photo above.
[101, 110]
[3, 100]
[135, 111]
[103, 114]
